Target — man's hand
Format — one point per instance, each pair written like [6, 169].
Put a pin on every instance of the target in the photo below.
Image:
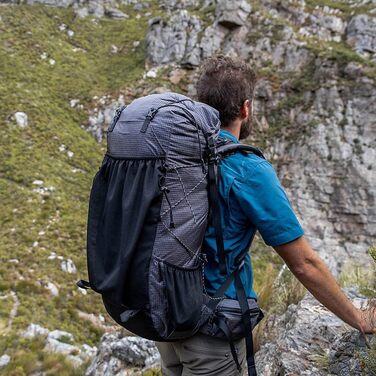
[368, 320]
[311, 271]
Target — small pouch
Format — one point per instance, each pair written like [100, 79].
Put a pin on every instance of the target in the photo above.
[228, 313]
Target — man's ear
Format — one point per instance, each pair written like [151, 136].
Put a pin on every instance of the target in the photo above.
[245, 109]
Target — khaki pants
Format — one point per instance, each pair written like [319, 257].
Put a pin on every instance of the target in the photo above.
[201, 355]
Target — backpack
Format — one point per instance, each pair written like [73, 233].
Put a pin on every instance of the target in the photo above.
[150, 204]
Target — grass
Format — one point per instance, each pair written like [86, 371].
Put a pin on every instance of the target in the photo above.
[367, 282]
[345, 6]
[35, 224]
[363, 277]
[275, 285]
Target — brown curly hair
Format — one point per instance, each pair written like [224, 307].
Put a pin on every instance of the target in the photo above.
[225, 83]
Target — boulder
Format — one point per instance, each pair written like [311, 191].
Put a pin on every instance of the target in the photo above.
[68, 266]
[232, 14]
[55, 3]
[4, 360]
[115, 13]
[346, 354]
[361, 34]
[21, 119]
[304, 337]
[117, 354]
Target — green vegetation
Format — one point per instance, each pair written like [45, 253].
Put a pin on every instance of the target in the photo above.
[347, 9]
[368, 361]
[363, 277]
[34, 224]
[30, 358]
[274, 284]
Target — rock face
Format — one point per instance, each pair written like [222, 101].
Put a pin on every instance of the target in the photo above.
[119, 355]
[329, 172]
[175, 40]
[232, 14]
[309, 340]
[361, 34]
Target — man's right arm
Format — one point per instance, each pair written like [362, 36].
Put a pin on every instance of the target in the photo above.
[312, 272]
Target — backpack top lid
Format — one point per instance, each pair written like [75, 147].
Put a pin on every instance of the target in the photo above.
[159, 125]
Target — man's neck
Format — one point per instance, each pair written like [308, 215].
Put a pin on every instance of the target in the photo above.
[234, 128]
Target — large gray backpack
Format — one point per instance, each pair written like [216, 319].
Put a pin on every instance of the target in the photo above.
[149, 208]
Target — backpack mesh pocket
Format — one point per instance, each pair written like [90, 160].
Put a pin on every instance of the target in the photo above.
[183, 300]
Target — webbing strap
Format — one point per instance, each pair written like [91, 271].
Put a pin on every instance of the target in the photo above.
[82, 284]
[213, 171]
[220, 292]
[225, 329]
[243, 302]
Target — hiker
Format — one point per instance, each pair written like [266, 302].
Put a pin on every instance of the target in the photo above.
[251, 199]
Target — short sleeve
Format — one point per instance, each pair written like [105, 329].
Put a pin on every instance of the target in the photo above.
[265, 203]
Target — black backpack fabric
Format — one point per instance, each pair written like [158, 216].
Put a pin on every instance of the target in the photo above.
[149, 207]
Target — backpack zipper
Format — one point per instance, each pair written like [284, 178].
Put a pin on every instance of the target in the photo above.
[165, 191]
[116, 117]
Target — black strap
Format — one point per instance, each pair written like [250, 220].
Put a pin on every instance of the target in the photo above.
[243, 302]
[231, 147]
[213, 171]
[225, 329]
[82, 284]
[212, 304]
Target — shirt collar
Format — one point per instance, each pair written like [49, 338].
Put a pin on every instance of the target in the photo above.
[227, 134]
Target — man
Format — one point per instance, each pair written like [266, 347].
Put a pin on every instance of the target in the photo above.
[251, 198]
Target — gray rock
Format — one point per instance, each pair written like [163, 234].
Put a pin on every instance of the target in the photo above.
[303, 337]
[292, 56]
[115, 13]
[330, 169]
[95, 8]
[212, 39]
[232, 14]
[60, 334]
[4, 360]
[345, 354]
[361, 33]
[68, 266]
[34, 330]
[53, 345]
[52, 288]
[117, 354]
[236, 43]
[179, 4]
[100, 119]
[55, 3]
[174, 41]
[21, 119]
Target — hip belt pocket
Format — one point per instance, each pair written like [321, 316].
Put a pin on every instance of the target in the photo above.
[228, 312]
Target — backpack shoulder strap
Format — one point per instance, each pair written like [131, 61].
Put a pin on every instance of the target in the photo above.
[227, 147]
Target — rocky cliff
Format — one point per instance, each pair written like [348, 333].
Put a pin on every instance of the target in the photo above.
[67, 64]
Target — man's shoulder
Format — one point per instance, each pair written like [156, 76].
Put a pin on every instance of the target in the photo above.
[244, 166]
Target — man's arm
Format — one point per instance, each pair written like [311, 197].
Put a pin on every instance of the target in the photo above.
[311, 271]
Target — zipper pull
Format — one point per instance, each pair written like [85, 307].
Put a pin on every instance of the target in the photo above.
[116, 117]
[165, 191]
[149, 117]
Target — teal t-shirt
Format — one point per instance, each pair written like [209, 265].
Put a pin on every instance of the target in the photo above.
[251, 199]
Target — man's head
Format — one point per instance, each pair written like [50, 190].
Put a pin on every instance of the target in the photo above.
[227, 84]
